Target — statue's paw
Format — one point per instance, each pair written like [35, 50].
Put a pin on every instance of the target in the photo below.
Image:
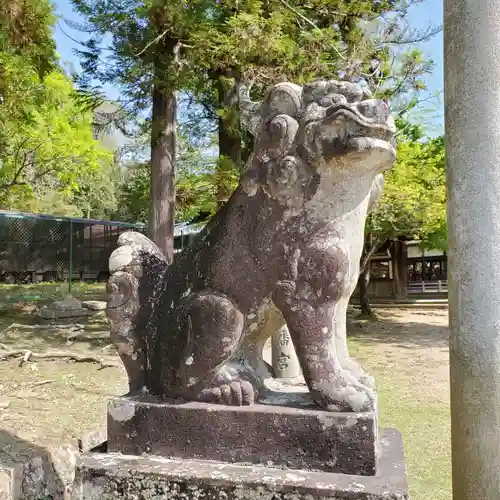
[355, 369]
[367, 381]
[345, 394]
[237, 393]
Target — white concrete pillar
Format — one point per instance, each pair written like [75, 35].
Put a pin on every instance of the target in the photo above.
[472, 115]
[285, 361]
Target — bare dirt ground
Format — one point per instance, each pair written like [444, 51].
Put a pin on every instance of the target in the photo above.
[48, 401]
[54, 400]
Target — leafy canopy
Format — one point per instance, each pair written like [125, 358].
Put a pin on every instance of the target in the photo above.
[47, 147]
[414, 199]
[197, 178]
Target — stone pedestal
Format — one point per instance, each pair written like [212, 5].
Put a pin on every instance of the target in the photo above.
[31, 472]
[275, 436]
[67, 308]
[109, 476]
[280, 447]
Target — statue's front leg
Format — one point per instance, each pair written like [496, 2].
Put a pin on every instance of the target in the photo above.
[309, 306]
[347, 363]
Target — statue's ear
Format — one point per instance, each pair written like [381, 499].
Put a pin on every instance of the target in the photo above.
[250, 114]
[282, 99]
[251, 178]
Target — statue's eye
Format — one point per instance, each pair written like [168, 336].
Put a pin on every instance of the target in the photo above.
[332, 99]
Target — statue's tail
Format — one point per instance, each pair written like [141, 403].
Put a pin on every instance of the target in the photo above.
[137, 268]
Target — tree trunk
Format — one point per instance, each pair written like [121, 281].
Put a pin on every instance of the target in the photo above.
[364, 299]
[163, 150]
[229, 131]
[371, 245]
[400, 268]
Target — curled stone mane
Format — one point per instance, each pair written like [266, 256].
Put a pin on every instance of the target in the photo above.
[282, 161]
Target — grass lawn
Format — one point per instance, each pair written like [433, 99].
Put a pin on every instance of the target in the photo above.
[407, 352]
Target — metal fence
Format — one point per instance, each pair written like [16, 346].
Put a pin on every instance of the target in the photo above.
[438, 286]
[36, 248]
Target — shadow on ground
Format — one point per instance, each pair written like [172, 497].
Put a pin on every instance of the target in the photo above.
[431, 332]
[27, 470]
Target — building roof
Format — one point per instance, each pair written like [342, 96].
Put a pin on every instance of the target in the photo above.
[182, 228]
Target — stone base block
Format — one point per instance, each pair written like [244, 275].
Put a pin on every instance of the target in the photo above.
[289, 437]
[30, 472]
[94, 305]
[109, 476]
[48, 313]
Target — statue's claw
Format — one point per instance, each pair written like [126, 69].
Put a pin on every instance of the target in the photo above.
[237, 393]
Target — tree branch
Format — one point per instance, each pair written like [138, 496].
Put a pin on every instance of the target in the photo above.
[311, 23]
[367, 255]
[27, 355]
[152, 42]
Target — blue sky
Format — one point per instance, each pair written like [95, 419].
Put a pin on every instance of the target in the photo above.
[429, 12]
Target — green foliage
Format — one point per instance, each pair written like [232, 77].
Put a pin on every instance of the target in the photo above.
[196, 185]
[47, 149]
[206, 49]
[414, 199]
[98, 192]
[134, 198]
[47, 142]
[250, 42]
[26, 29]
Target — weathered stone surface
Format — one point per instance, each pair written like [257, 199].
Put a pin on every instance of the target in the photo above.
[108, 476]
[69, 304]
[48, 313]
[71, 308]
[30, 472]
[67, 308]
[275, 436]
[94, 305]
[284, 248]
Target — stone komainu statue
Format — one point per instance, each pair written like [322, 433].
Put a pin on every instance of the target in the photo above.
[285, 248]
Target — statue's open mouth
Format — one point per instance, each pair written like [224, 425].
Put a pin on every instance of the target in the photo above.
[345, 129]
[365, 127]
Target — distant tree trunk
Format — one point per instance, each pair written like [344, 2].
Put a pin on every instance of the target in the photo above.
[229, 131]
[364, 299]
[400, 268]
[229, 122]
[163, 151]
[372, 244]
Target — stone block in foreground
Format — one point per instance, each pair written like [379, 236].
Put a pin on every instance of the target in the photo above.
[290, 437]
[30, 472]
[109, 476]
